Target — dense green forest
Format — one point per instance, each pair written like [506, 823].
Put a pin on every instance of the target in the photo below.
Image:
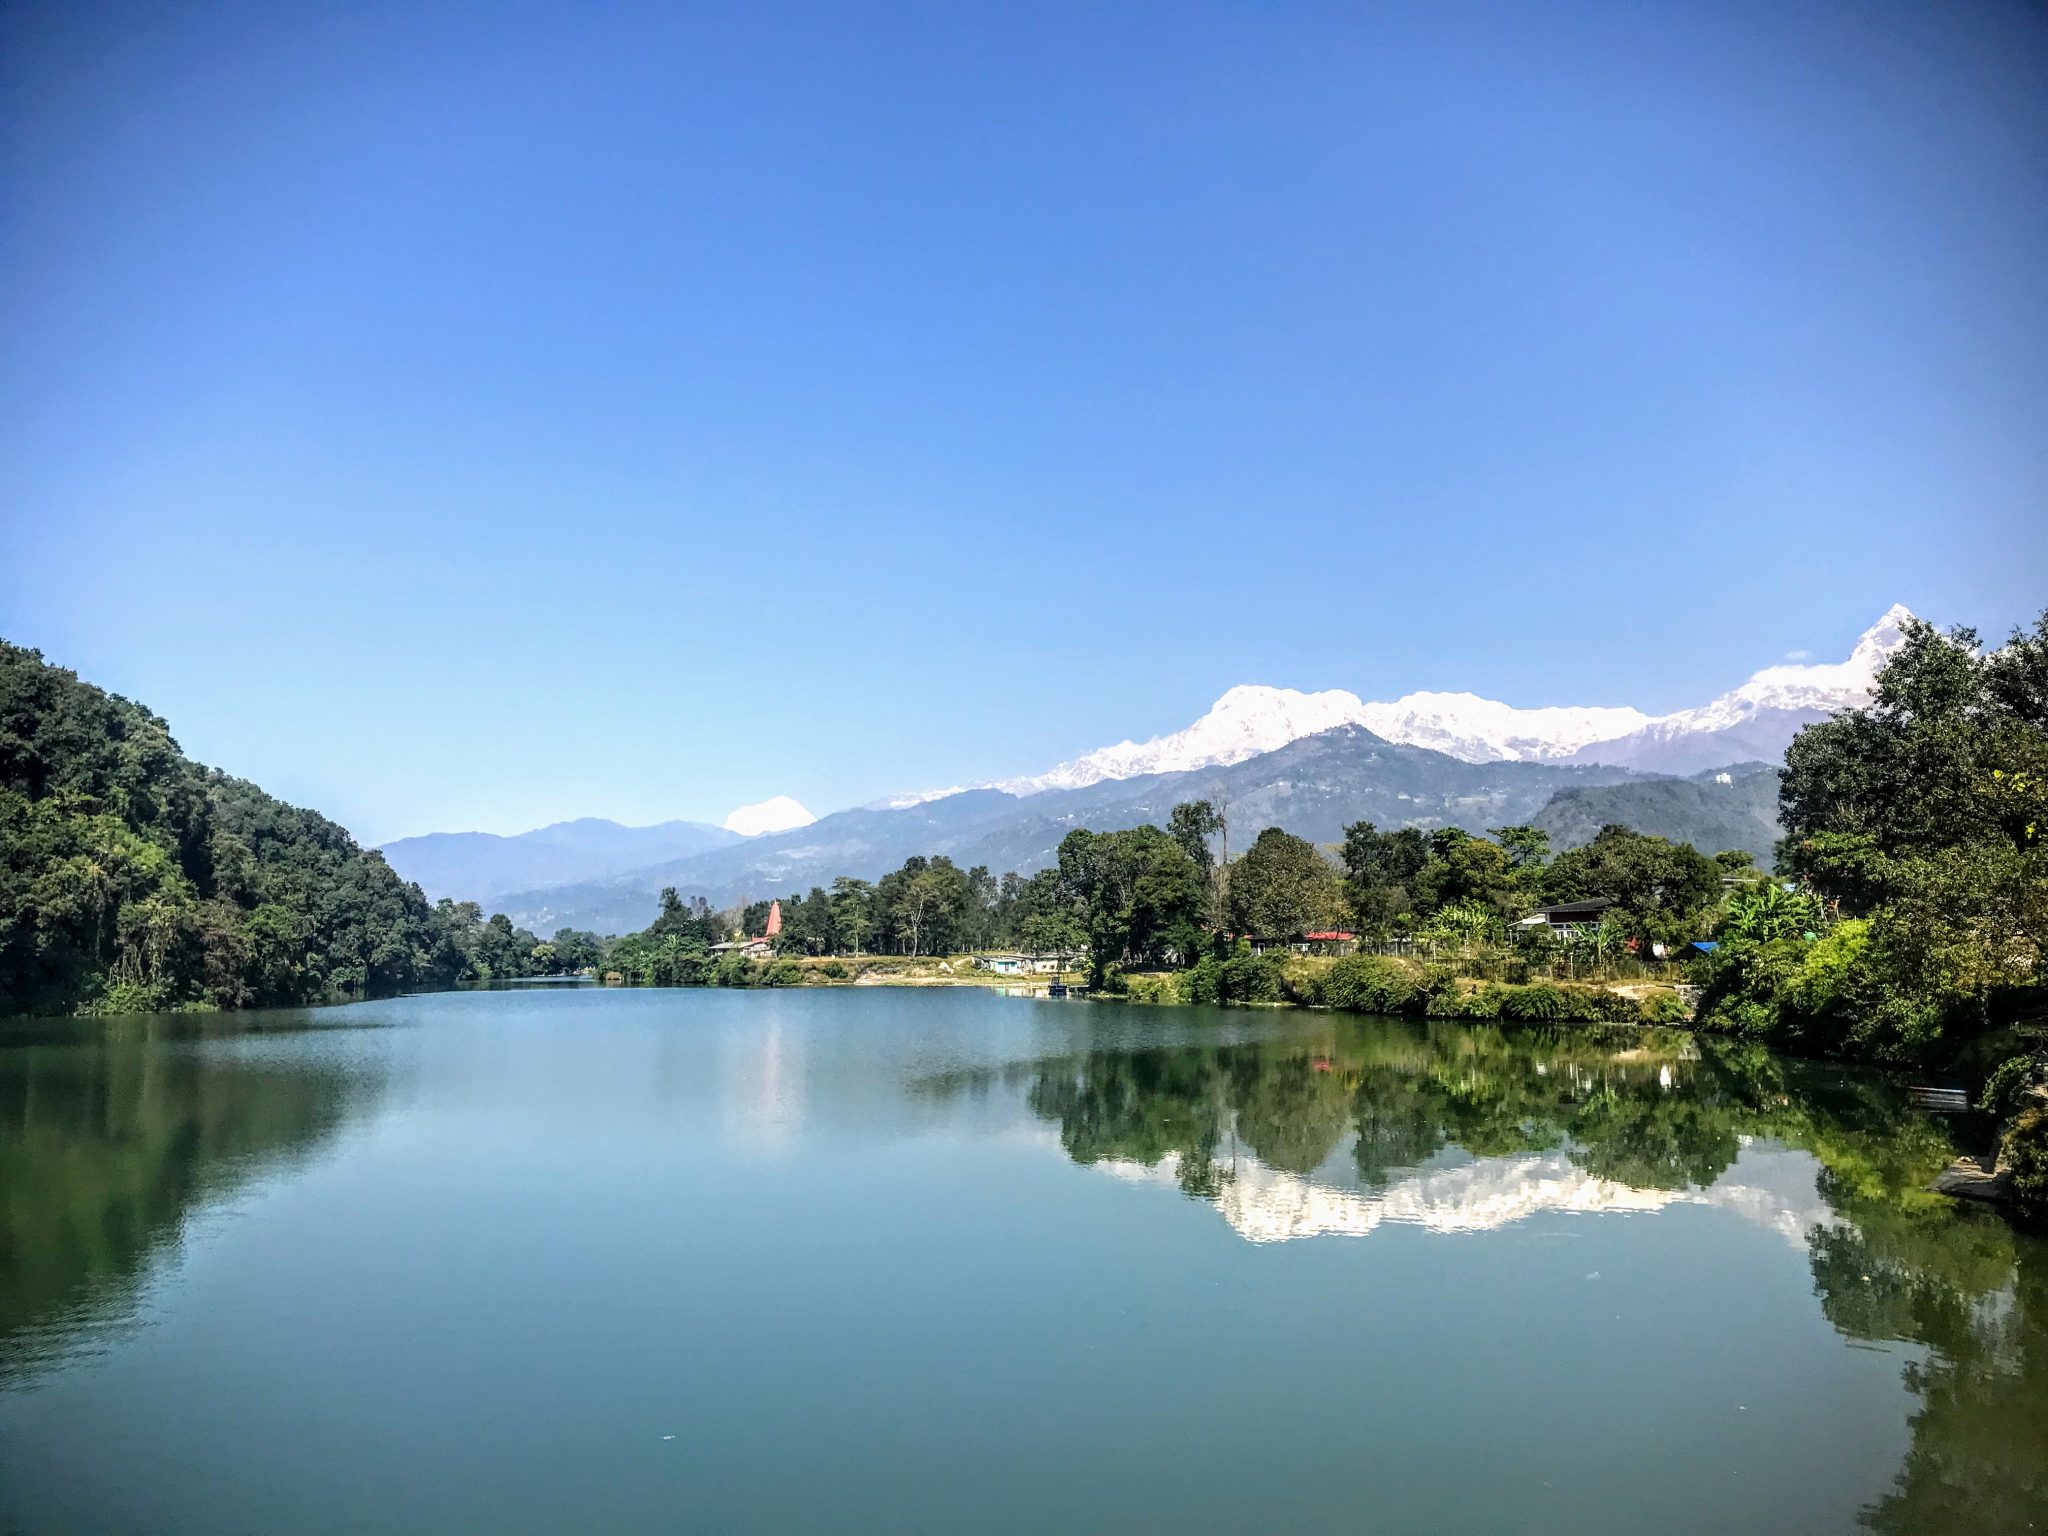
[133, 879]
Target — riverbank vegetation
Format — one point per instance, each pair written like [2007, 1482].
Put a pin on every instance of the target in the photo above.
[1917, 845]
[133, 879]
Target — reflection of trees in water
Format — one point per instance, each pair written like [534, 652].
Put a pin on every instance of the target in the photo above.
[1917, 1270]
[1652, 1110]
[1979, 1457]
[107, 1145]
[1142, 1106]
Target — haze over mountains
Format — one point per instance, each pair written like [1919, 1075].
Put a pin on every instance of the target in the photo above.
[1309, 762]
[484, 867]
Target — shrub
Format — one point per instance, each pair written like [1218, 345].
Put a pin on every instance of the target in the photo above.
[1204, 984]
[1151, 986]
[1594, 1004]
[1740, 987]
[122, 997]
[1371, 984]
[833, 969]
[1483, 1002]
[2026, 1158]
[1664, 1008]
[1303, 980]
[1440, 995]
[2005, 1090]
[1249, 979]
[1541, 1001]
[1828, 990]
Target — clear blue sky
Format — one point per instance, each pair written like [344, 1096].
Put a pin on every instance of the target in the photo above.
[473, 416]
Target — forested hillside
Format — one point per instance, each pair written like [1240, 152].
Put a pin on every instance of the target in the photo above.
[1702, 810]
[133, 879]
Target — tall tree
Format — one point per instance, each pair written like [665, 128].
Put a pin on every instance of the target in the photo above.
[853, 911]
[1138, 893]
[1379, 874]
[1283, 887]
[1193, 824]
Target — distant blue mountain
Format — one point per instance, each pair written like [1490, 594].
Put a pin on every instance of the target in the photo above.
[1313, 787]
[484, 867]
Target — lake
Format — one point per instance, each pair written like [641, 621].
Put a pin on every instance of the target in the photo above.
[880, 1260]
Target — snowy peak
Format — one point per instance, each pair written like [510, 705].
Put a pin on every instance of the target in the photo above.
[1252, 719]
[1874, 647]
[1246, 721]
[1822, 687]
[1476, 730]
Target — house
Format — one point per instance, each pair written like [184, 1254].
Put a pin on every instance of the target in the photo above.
[1028, 965]
[750, 949]
[1567, 918]
[1330, 941]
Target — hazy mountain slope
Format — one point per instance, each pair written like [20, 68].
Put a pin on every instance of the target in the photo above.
[1665, 747]
[1313, 787]
[863, 842]
[1742, 813]
[482, 866]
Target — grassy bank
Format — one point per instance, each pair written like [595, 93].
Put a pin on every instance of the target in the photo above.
[839, 971]
[1388, 985]
[1354, 983]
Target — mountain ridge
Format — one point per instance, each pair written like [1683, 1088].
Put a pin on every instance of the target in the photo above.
[483, 866]
[1313, 787]
[1757, 718]
[1017, 823]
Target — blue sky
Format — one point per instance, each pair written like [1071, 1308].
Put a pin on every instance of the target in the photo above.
[463, 416]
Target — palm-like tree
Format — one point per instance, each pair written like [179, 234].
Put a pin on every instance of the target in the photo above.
[1771, 911]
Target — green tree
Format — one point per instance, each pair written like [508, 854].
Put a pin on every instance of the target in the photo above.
[1138, 894]
[1283, 887]
[1462, 870]
[1379, 874]
[1919, 813]
[853, 911]
[1664, 891]
[1768, 910]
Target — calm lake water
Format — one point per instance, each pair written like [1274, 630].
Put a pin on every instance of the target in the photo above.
[942, 1261]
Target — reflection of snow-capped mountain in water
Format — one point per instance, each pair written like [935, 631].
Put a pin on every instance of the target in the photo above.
[1768, 1186]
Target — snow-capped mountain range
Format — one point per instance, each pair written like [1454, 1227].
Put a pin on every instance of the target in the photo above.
[1753, 720]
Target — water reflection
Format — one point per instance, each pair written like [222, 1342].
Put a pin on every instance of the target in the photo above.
[111, 1139]
[586, 1174]
[1458, 1129]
